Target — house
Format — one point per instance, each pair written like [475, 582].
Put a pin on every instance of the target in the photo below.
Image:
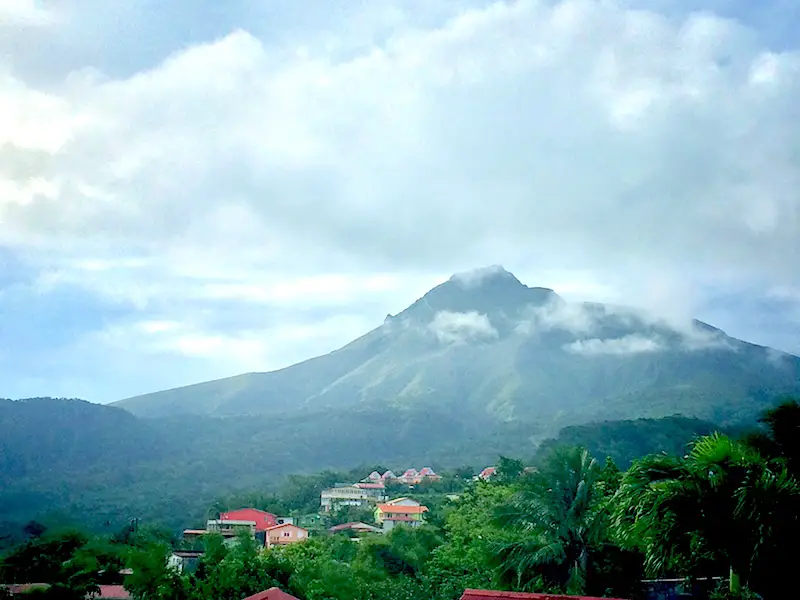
[427, 474]
[388, 476]
[497, 595]
[262, 519]
[374, 476]
[372, 486]
[354, 527]
[230, 526]
[410, 477]
[309, 521]
[272, 594]
[390, 523]
[184, 561]
[111, 592]
[403, 502]
[351, 495]
[402, 510]
[280, 535]
[487, 474]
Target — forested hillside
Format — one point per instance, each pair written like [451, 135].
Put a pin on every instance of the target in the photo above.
[576, 524]
[70, 461]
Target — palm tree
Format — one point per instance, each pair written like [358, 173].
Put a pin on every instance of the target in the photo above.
[721, 502]
[559, 513]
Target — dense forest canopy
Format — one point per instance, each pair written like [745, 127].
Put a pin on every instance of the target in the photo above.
[727, 507]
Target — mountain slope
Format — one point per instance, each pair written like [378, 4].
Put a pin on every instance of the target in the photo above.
[485, 346]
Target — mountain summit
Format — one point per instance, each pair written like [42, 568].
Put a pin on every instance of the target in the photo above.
[485, 348]
[487, 290]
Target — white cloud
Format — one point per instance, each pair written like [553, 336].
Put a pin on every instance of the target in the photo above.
[455, 327]
[631, 154]
[630, 344]
[571, 316]
[474, 277]
[24, 13]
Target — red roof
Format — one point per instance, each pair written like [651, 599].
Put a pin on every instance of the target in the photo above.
[262, 518]
[371, 486]
[272, 594]
[113, 591]
[497, 595]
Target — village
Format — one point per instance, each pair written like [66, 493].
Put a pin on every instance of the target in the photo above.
[369, 494]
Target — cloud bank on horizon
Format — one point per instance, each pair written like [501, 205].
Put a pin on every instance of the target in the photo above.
[188, 192]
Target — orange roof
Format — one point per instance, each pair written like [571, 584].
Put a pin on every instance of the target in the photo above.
[271, 594]
[409, 510]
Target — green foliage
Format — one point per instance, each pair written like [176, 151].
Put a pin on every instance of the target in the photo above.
[561, 512]
[573, 524]
[623, 441]
[781, 438]
[722, 504]
[71, 563]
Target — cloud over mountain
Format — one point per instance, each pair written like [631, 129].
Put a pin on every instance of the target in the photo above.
[642, 153]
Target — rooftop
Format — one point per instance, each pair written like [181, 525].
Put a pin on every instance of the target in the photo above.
[409, 510]
[272, 594]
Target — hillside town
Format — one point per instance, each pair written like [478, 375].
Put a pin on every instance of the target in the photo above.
[370, 494]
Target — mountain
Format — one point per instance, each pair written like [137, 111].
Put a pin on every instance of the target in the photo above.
[484, 347]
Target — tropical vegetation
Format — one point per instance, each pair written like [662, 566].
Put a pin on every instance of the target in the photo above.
[725, 509]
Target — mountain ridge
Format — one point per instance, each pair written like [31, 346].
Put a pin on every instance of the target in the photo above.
[485, 345]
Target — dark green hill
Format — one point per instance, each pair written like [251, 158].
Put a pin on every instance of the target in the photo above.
[624, 441]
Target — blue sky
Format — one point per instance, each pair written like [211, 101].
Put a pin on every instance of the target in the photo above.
[190, 190]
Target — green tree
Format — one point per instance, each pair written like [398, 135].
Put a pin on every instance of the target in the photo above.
[781, 439]
[721, 504]
[151, 577]
[509, 469]
[560, 513]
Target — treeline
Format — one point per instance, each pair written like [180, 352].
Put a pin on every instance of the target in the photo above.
[728, 507]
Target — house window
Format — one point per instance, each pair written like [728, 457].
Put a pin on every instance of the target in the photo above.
[287, 534]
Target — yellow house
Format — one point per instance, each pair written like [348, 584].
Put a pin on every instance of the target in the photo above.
[402, 510]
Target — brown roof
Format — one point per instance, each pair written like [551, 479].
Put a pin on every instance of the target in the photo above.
[272, 594]
[498, 595]
[409, 510]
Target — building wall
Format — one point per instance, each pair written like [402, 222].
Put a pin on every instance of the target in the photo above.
[287, 534]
